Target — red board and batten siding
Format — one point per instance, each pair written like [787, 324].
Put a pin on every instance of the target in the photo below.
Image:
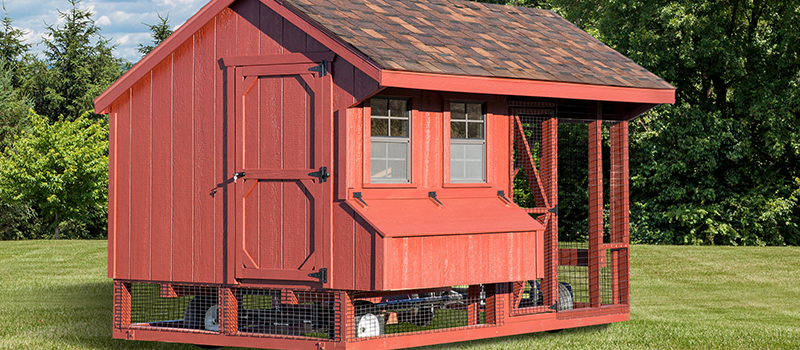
[168, 161]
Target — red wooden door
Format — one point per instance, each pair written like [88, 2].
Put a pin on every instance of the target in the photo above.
[279, 172]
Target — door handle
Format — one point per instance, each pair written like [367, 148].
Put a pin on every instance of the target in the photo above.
[236, 176]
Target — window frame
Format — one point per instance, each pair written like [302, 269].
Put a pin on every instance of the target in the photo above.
[369, 139]
[449, 141]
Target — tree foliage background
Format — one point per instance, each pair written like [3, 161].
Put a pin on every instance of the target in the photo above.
[722, 164]
[54, 164]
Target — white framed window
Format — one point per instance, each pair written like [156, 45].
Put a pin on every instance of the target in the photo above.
[389, 140]
[467, 142]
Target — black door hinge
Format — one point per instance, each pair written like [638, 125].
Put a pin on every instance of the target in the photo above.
[322, 174]
[322, 69]
[322, 275]
[553, 210]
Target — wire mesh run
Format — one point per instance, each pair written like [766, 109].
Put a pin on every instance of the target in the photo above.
[381, 314]
[287, 313]
[175, 307]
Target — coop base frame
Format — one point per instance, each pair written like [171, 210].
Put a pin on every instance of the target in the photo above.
[506, 320]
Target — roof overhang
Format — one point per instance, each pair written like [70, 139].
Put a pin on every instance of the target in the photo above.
[522, 87]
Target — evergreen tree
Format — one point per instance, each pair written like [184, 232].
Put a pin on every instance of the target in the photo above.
[12, 47]
[78, 66]
[159, 33]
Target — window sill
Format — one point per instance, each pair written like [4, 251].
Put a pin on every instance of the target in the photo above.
[389, 185]
[467, 185]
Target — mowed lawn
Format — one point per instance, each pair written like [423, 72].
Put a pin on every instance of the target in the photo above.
[54, 295]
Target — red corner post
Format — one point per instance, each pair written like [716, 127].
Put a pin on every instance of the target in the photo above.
[595, 210]
[619, 225]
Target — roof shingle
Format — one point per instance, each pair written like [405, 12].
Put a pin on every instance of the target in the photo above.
[464, 37]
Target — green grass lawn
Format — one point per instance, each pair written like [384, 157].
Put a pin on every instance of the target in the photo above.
[54, 295]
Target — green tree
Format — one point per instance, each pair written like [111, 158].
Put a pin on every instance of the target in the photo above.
[78, 66]
[159, 33]
[13, 48]
[13, 107]
[720, 165]
[61, 170]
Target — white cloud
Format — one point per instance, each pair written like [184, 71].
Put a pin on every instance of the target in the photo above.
[119, 20]
[103, 21]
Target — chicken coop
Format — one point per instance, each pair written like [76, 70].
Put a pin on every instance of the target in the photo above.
[365, 174]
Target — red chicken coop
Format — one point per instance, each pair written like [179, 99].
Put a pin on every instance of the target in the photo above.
[312, 174]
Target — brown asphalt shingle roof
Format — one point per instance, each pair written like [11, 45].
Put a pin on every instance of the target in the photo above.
[470, 38]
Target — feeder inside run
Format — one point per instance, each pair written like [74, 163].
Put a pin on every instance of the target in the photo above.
[305, 174]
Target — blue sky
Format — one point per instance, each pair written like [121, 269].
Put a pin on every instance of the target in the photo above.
[119, 20]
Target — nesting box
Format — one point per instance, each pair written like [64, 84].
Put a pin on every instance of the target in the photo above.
[306, 174]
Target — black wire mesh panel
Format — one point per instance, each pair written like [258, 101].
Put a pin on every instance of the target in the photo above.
[376, 314]
[573, 274]
[176, 307]
[285, 312]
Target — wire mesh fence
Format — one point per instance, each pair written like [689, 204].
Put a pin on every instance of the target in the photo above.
[176, 307]
[285, 312]
[376, 314]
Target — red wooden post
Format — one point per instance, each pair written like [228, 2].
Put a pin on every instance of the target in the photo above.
[595, 210]
[122, 304]
[230, 311]
[619, 211]
[549, 166]
[473, 294]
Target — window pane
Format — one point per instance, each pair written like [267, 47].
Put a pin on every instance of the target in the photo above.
[377, 150]
[397, 108]
[397, 169]
[380, 127]
[473, 152]
[399, 127]
[456, 169]
[379, 106]
[456, 151]
[397, 150]
[467, 162]
[457, 111]
[473, 170]
[475, 130]
[474, 111]
[458, 130]
[378, 169]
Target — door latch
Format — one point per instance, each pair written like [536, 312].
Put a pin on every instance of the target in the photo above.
[236, 176]
[322, 174]
[321, 274]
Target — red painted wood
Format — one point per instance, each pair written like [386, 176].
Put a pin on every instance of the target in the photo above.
[322, 35]
[206, 259]
[141, 154]
[224, 193]
[296, 154]
[549, 173]
[343, 267]
[161, 52]
[342, 99]
[247, 27]
[271, 138]
[595, 210]
[277, 58]
[112, 194]
[519, 87]
[365, 259]
[271, 25]
[182, 164]
[162, 172]
[432, 261]
[122, 230]
[423, 216]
